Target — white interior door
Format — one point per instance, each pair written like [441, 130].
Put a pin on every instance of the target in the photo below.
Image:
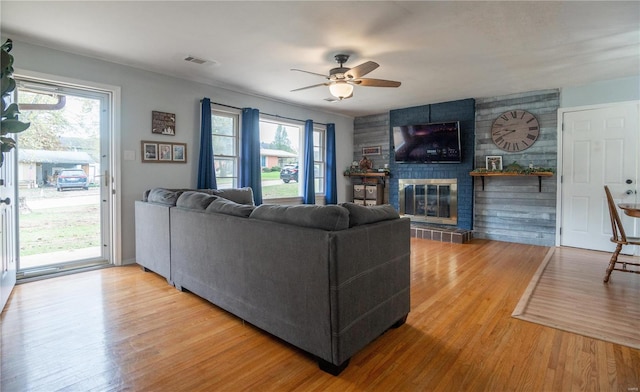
[600, 147]
[7, 227]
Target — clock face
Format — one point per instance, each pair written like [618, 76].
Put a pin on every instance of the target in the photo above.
[515, 130]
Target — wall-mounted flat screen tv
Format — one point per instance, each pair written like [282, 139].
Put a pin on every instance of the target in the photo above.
[427, 143]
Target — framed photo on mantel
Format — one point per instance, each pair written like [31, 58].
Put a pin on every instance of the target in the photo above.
[494, 162]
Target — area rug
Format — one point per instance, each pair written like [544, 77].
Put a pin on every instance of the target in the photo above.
[567, 293]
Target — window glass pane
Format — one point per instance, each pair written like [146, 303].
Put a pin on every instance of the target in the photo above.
[225, 148]
[279, 157]
[226, 173]
[318, 157]
[224, 145]
[318, 170]
[317, 153]
[223, 125]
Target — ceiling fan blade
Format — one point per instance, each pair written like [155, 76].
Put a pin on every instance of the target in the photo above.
[312, 73]
[361, 70]
[376, 83]
[315, 85]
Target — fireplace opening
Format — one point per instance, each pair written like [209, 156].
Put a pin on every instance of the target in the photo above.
[429, 200]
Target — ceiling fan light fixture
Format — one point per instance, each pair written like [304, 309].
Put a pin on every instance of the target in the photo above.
[340, 89]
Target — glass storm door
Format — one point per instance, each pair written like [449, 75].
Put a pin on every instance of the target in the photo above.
[63, 182]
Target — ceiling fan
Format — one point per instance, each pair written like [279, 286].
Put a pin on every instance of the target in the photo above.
[342, 79]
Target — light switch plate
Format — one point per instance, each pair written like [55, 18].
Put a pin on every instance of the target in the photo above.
[129, 155]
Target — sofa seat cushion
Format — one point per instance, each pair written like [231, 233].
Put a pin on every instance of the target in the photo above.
[163, 196]
[238, 195]
[224, 206]
[194, 200]
[361, 215]
[330, 217]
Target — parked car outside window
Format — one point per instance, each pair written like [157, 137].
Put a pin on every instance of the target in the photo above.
[289, 173]
[72, 178]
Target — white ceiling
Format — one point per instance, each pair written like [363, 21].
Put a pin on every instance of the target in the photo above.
[440, 51]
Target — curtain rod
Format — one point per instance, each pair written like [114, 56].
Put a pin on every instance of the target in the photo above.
[266, 114]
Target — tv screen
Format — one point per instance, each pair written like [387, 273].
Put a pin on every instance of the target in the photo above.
[427, 143]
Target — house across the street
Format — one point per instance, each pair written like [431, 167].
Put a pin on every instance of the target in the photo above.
[40, 167]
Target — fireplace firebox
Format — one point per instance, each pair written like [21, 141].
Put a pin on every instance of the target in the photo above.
[429, 200]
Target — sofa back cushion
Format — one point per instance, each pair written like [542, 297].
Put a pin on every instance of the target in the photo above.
[194, 200]
[164, 196]
[361, 215]
[330, 217]
[238, 195]
[224, 206]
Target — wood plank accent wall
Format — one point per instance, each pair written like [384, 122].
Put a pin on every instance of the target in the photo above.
[371, 131]
[511, 208]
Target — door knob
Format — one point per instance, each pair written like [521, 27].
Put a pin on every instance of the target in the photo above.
[630, 192]
[6, 201]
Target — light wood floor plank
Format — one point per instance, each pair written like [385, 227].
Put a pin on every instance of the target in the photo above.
[568, 293]
[122, 329]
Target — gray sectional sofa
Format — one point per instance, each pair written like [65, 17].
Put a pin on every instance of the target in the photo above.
[327, 279]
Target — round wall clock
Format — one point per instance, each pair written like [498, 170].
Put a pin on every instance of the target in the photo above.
[515, 130]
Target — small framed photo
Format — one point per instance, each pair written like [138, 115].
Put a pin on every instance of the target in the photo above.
[180, 152]
[163, 123]
[149, 152]
[372, 150]
[494, 162]
[165, 152]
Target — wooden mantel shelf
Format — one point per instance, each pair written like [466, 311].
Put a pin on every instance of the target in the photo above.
[368, 174]
[370, 177]
[482, 175]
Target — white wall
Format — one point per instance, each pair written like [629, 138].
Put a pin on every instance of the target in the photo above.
[608, 91]
[143, 92]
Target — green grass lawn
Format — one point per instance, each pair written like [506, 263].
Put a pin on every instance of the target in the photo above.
[274, 175]
[56, 229]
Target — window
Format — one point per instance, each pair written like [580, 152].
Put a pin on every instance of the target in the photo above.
[319, 159]
[281, 155]
[225, 132]
[282, 158]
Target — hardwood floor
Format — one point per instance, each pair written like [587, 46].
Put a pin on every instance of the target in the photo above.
[120, 329]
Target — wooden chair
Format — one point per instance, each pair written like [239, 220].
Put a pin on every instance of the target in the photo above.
[619, 238]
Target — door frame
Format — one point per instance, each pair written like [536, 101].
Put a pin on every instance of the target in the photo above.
[115, 196]
[560, 118]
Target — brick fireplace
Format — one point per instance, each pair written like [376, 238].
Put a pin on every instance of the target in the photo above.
[457, 227]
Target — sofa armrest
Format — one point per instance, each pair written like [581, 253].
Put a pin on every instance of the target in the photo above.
[153, 240]
[370, 283]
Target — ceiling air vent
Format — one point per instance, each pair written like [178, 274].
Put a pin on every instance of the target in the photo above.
[197, 60]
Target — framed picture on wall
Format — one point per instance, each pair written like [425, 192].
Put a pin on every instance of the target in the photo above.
[164, 152]
[149, 152]
[163, 123]
[494, 162]
[180, 152]
[372, 150]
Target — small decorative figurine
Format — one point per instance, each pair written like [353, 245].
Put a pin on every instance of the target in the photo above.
[365, 164]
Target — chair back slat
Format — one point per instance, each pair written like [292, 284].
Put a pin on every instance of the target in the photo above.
[616, 224]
